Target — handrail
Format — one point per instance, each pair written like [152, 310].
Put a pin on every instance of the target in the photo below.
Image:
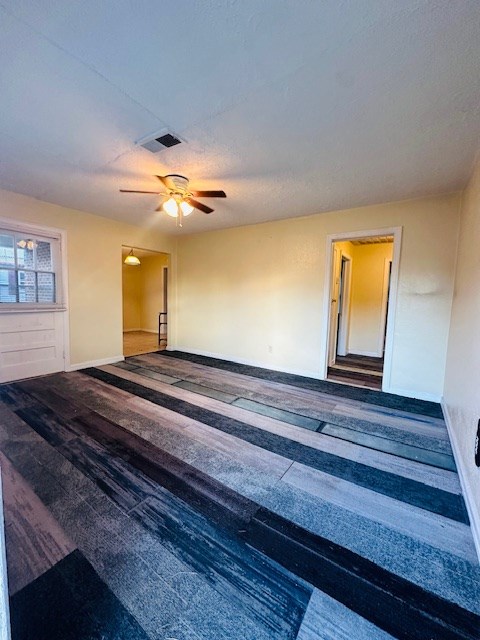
[162, 323]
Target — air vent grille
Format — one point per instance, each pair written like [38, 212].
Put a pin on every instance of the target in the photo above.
[168, 140]
[158, 141]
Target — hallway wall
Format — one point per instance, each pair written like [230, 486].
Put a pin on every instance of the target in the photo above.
[462, 376]
[366, 312]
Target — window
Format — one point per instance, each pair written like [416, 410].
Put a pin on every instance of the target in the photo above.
[29, 270]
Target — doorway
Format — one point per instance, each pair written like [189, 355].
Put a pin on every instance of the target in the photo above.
[145, 299]
[361, 281]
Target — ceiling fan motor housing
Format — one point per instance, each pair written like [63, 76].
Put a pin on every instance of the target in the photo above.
[180, 182]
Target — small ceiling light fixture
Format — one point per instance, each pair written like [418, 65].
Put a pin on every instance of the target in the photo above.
[132, 260]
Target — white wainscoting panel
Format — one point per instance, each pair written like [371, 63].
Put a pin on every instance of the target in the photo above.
[31, 344]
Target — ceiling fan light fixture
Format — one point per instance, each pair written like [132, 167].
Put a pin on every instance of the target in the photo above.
[132, 260]
[186, 208]
[170, 207]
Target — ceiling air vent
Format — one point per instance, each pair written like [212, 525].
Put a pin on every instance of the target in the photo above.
[159, 141]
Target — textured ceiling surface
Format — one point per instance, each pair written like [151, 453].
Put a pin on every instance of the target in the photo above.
[291, 107]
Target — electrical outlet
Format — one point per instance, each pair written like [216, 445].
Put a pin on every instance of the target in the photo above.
[477, 446]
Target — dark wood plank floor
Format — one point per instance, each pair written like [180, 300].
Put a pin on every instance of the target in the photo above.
[177, 497]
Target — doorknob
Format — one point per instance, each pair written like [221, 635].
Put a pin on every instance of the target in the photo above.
[333, 300]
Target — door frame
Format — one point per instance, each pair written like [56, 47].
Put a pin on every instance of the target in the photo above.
[385, 296]
[343, 327]
[396, 232]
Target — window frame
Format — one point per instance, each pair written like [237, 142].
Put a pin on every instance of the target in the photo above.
[56, 238]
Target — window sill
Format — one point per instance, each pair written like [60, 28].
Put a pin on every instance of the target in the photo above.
[27, 308]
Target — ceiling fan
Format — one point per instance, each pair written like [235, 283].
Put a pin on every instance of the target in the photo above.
[180, 200]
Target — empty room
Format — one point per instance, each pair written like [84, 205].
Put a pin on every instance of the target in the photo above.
[239, 302]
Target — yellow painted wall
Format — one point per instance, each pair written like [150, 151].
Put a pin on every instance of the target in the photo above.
[132, 279]
[94, 247]
[462, 376]
[368, 265]
[152, 290]
[256, 293]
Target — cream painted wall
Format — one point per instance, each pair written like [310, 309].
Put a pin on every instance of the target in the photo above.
[152, 290]
[255, 293]
[366, 322]
[132, 294]
[462, 377]
[94, 246]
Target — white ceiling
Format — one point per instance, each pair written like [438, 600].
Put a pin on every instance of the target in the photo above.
[292, 107]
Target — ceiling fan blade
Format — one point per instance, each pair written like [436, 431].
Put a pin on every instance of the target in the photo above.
[134, 191]
[168, 182]
[209, 194]
[198, 205]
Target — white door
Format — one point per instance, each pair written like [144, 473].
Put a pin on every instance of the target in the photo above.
[31, 344]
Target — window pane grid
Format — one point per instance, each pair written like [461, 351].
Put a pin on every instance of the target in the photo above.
[27, 269]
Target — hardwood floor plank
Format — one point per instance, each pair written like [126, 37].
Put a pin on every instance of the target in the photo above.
[168, 426]
[206, 391]
[319, 386]
[35, 541]
[130, 488]
[41, 391]
[156, 376]
[453, 537]
[305, 403]
[383, 482]
[432, 458]
[327, 619]
[46, 424]
[395, 417]
[176, 496]
[207, 496]
[69, 602]
[279, 414]
[445, 480]
[275, 600]
[417, 614]
[121, 483]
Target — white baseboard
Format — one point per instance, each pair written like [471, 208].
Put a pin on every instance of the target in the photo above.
[94, 363]
[467, 490]
[140, 329]
[251, 363]
[131, 330]
[416, 395]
